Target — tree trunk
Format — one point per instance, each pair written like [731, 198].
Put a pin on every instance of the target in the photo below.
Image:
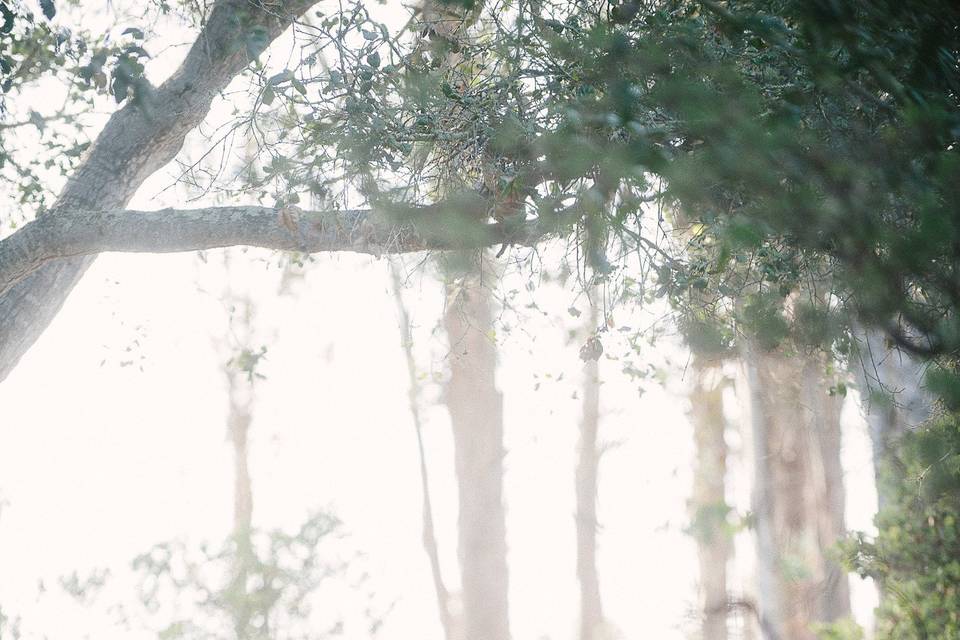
[238, 421]
[798, 493]
[591, 606]
[476, 414]
[894, 401]
[708, 503]
[136, 142]
[239, 417]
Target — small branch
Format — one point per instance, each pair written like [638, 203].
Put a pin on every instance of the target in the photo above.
[430, 545]
[454, 225]
[36, 120]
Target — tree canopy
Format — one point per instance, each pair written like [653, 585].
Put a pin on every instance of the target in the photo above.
[787, 169]
[794, 140]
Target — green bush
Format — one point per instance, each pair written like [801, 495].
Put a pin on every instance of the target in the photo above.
[915, 557]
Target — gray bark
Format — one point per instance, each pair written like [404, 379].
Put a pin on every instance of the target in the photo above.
[49, 240]
[798, 493]
[476, 414]
[708, 501]
[136, 142]
[588, 465]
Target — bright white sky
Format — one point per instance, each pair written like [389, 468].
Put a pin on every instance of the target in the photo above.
[99, 461]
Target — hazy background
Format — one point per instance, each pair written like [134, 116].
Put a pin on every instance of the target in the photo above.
[112, 438]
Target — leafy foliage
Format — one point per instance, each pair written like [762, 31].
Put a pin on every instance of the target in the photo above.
[783, 167]
[916, 555]
[42, 125]
[256, 585]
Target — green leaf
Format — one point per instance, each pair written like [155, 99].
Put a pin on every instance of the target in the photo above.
[48, 9]
[267, 96]
[449, 92]
[137, 50]
[119, 87]
[7, 14]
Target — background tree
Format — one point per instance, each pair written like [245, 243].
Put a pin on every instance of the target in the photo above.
[452, 624]
[476, 415]
[256, 584]
[798, 499]
[896, 402]
[708, 501]
[589, 452]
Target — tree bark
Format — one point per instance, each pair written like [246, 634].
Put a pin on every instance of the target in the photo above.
[708, 503]
[588, 465]
[136, 142]
[476, 414]
[73, 234]
[798, 493]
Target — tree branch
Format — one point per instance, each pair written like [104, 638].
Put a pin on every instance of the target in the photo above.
[388, 230]
[136, 141]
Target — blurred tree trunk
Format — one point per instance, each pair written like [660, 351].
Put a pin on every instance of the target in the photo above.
[451, 631]
[476, 414]
[475, 405]
[708, 503]
[591, 606]
[239, 418]
[798, 493]
[893, 399]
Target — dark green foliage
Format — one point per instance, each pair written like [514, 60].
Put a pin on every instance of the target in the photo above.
[48, 8]
[916, 556]
[801, 141]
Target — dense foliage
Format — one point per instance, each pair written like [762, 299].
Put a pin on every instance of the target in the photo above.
[784, 167]
[916, 556]
[792, 142]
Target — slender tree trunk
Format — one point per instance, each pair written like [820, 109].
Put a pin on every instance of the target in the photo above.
[239, 418]
[476, 414]
[591, 605]
[798, 493]
[238, 421]
[451, 630]
[708, 502]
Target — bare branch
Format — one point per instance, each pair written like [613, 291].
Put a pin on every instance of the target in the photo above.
[376, 232]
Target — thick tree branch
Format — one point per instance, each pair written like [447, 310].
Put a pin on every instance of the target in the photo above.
[376, 232]
[137, 140]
